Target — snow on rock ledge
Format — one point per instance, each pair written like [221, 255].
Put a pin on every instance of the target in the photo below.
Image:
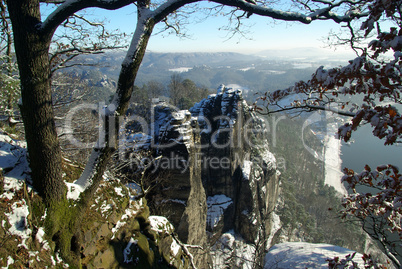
[216, 206]
[221, 173]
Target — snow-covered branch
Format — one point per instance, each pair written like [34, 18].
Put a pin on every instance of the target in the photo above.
[305, 107]
[360, 77]
[185, 247]
[262, 8]
[325, 13]
[266, 11]
[161, 12]
[380, 213]
[69, 7]
[105, 147]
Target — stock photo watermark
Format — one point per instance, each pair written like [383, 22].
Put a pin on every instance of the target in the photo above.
[263, 128]
[200, 160]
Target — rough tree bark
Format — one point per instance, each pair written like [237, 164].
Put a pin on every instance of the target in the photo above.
[31, 48]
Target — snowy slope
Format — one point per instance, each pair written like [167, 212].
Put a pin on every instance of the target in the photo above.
[29, 245]
[301, 255]
[14, 167]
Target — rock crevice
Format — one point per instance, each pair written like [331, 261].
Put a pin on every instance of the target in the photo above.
[221, 176]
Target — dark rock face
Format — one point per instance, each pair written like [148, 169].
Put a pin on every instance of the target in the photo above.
[220, 174]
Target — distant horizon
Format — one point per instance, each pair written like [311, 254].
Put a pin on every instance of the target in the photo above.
[336, 51]
[257, 50]
[297, 53]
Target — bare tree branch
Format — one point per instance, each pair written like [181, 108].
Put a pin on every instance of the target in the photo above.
[310, 108]
[68, 8]
[76, 40]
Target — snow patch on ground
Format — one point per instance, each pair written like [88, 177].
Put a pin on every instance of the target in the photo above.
[105, 207]
[39, 237]
[58, 258]
[15, 168]
[118, 191]
[12, 185]
[73, 190]
[18, 219]
[53, 260]
[7, 195]
[301, 255]
[7, 157]
[13, 162]
[231, 251]
[160, 224]
[10, 261]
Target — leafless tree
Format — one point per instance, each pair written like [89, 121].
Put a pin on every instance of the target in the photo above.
[32, 42]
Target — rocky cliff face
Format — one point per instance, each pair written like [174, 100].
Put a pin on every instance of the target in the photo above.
[220, 181]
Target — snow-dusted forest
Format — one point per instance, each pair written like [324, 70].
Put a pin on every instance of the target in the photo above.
[112, 156]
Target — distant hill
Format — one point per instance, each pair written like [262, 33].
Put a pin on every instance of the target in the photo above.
[266, 71]
[110, 62]
[307, 54]
[212, 59]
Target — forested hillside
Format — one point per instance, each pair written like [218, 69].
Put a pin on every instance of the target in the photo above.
[308, 207]
[209, 70]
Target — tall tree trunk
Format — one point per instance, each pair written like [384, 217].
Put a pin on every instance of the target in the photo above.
[31, 48]
[102, 153]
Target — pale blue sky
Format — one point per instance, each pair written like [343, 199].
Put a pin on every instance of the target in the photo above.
[205, 36]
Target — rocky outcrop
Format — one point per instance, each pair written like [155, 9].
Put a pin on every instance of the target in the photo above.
[181, 195]
[116, 231]
[219, 175]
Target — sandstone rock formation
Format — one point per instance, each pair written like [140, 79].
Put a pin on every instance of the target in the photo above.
[220, 177]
